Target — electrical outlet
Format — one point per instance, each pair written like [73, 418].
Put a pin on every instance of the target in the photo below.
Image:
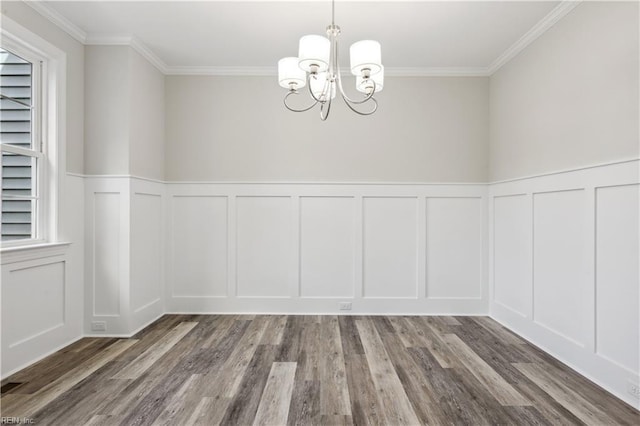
[633, 389]
[98, 326]
[345, 306]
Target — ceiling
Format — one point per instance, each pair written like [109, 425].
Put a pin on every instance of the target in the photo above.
[417, 37]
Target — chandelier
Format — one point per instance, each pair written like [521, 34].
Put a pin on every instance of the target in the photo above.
[317, 68]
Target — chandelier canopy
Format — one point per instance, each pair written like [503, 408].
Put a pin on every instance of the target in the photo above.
[317, 67]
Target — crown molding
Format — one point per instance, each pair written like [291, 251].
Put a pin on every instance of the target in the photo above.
[436, 72]
[271, 71]
[80, 35]
[558, 12]
[148, 54]
[131, 41]
[57, 19]
[222, 71]
[127, 40]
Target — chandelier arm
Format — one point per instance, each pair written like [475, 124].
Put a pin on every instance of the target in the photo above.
[352, 108]
[294, 109]
[311, 91]
[355, 101]
[324, 116]
[327, 88]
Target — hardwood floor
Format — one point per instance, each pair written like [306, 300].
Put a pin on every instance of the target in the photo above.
[327, 370]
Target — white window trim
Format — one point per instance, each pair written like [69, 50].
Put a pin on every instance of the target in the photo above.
[52, 125]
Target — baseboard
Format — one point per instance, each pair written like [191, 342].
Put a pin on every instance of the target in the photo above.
[343, 313]
[544, 348]
[128, 335]
[84, 335]
[43, 356]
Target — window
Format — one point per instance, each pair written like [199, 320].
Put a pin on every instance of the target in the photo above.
[21, 143]
[33, 82]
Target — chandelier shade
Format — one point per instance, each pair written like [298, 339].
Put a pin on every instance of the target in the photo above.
[290, 74]
[314, 50]
[365, 55]
[318, 68]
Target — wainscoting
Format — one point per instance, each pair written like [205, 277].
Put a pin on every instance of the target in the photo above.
[305, 248]
[290, 248]
[42, 290]
[124, 252]
[564, 268]
[553, 258]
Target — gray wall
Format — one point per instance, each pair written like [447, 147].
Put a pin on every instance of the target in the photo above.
[124, 113]
[570, 99]
[236, 129]
[107, 94]
[146, 119]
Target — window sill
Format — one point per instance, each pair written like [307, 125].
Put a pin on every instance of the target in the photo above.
[32, 252]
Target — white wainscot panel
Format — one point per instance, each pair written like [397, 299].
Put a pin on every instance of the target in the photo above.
[33, 301]
[390, 247]
[454, 248]
[106, 254]
[146, 249]
[199, 246]
[264, 246]
[560, 285]
[617, 277]
[512, 253]
[327, 232]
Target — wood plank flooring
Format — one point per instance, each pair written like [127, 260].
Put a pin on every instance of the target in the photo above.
[299, 370]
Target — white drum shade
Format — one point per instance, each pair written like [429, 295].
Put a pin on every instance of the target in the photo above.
[365, 54]
[289, 72]
[314, 50]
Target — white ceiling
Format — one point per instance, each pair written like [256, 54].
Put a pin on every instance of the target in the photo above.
[416, 36]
